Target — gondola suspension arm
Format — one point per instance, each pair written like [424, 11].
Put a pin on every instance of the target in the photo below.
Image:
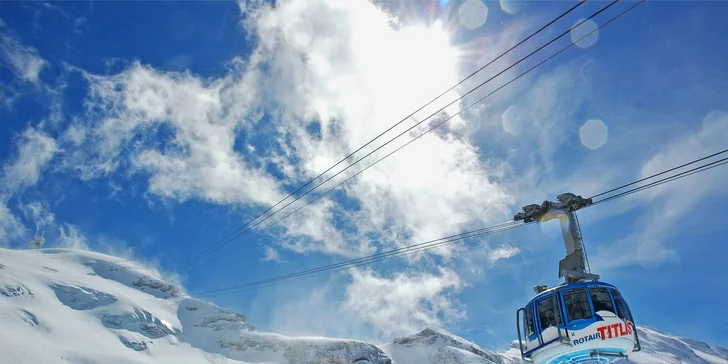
[575, 265]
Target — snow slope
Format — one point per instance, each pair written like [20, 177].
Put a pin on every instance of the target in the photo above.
[68, 306]
[438, 346]
[434, 346]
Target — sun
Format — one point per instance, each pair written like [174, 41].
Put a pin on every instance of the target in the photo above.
[427, 62]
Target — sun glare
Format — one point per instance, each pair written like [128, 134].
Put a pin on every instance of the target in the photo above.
[427, 54]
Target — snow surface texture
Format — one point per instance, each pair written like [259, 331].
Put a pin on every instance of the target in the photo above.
[68, 306]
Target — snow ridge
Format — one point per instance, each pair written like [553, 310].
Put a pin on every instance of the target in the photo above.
[450, 348]
[85, 307]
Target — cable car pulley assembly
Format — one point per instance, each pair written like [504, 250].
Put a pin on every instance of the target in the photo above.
[582, 320]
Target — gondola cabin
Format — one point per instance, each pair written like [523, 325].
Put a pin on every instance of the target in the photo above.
[585, 322]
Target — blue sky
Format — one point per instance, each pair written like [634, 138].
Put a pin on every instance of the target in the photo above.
[165, 126]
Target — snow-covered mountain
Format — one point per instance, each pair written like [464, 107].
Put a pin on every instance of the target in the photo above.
[439, 347]
[69, 306]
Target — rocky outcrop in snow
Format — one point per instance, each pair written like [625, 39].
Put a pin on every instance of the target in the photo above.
[130, 274]
[81, 298]
[166, 289]
[139, 321]
[134, 345]
[15, 291]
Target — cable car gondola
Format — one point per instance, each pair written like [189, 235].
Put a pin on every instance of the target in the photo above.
[582, 320]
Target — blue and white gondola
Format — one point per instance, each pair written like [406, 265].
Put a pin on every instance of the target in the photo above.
[584, 322]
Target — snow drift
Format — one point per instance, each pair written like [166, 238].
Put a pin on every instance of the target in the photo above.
[69, 306]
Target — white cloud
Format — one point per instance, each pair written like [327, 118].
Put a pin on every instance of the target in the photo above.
[24, 61]
[271, 255]
[72, 238]
[371, 307]
[343, 69]
[502, 252]
[330, 76]
[309, 309]
[473, 260]
[403, 303]
[39, 213]
[10, 227]
[34, 150]
[670, 203]
[313, 229]
[709, 139]
[179, 129]
[337, 67]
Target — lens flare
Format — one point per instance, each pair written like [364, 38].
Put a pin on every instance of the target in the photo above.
[511, 6]
[473, 14]
[584, 70]
[582, 31]
[593, 134]
[554, 214]
[512, 122]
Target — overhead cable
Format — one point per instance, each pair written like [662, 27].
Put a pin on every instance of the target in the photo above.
[680, 175]
[663, 172]
[367, 260]
[438, 124]
[224, 241]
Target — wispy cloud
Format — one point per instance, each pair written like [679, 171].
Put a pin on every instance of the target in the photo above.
[23, 60]
[502, 252]
[39, 213]
[181, 130]
[404, 303]
[372, 307]
[72, 238]
[349, 97]
[10, 226]
[270, 254]
[34, 150]
[323, 79]
[648, 245]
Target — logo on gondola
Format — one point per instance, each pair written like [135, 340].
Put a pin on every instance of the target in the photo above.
[615, 330]
[608, 332]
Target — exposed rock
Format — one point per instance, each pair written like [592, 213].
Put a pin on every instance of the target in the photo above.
[16, 291]
[134, 345]
[140, 321]
[82, 298]
[168, 289]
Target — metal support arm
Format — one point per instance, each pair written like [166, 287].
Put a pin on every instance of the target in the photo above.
[575, 265]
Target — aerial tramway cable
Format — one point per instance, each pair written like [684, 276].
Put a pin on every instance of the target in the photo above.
[493, 229]
[663, 172]
[222, 242]
[438, 124]
[680, 175]
[410, 249]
